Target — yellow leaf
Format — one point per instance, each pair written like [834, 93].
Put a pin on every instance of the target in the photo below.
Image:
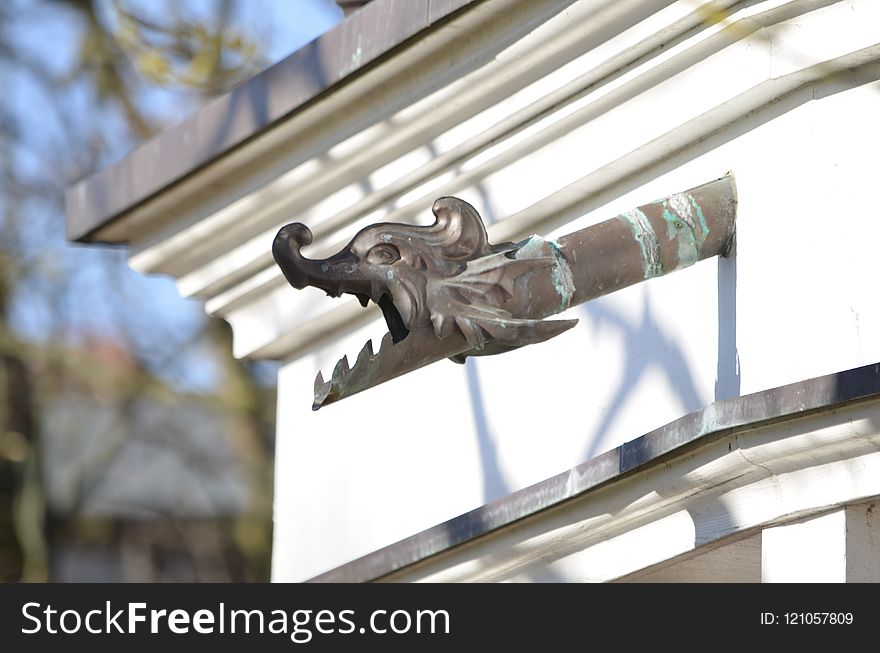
[153, 66]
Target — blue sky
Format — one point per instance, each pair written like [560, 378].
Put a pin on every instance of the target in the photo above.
[293, 22]
[152, 304]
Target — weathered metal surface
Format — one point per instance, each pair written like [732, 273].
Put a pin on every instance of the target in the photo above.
[350, 6]
[446, 292]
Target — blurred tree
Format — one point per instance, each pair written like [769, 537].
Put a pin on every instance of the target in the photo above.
[97, 381]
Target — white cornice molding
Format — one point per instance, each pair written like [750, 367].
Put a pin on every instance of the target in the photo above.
[712, 494]
[715, 476]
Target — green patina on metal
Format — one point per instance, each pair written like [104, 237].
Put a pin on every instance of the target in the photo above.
[701, 238]
[688, 251]
[644, 235]
[563, 281]
[680, 227]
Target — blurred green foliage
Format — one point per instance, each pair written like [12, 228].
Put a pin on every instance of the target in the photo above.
[84, 411]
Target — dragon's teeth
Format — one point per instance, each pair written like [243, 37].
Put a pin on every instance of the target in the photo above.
[320, 397]
[365, 354]
[322, 391]
[387, 341]
[341, 368]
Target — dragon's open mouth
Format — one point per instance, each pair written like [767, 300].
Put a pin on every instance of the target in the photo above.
[395, 323]
[396, 326]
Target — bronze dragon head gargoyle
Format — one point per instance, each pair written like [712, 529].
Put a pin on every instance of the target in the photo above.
[433, 284]
[446, 292]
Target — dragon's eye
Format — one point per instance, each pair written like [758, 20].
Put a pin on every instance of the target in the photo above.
[383, 254]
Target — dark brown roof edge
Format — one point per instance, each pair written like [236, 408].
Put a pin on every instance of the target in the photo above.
[716, 420]
[248, 109]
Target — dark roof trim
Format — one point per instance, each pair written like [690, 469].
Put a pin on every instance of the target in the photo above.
[229, 120]
[716, 420]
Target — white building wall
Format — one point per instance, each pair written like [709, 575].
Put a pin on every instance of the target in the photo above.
[798, 298]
